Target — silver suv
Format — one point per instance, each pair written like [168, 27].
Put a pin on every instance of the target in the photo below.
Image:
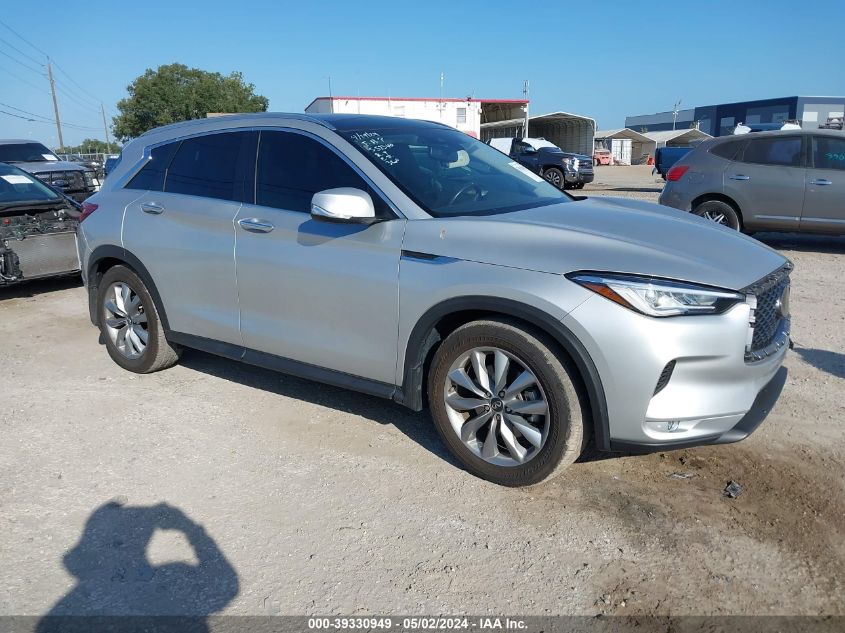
[767, 181]
[407, 260]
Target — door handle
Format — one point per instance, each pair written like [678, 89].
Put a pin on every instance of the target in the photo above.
[740, 177]
[821, 181]
[152, 208]
[254, 225]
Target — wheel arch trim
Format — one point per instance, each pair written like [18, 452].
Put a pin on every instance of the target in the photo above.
[124, 256]
[424, 337]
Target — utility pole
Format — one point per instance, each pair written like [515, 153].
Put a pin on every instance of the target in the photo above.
[675, 113]
[106, 128]
[525, 94]
[55, 103]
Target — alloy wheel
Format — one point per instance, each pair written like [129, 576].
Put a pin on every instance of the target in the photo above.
[715, 216]
[553, 177]
[496, 406]
[126, 320]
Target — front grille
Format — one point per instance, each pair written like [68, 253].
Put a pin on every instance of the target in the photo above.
[767, 317]
[74, 180]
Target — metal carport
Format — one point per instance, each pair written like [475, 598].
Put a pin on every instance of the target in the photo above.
[570, 132]
[677, 138]
[641, 146]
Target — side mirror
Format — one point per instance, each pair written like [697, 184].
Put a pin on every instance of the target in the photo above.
[344, 204]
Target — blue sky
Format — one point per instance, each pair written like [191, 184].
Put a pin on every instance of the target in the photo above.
[602, 59]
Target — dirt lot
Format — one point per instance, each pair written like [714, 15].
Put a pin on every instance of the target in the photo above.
[317, 500]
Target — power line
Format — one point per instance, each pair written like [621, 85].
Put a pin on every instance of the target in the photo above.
[75, 95]
[40, 116]
[19, 78]
[12, 46]
[48, 120]
[79, 103]
[25, 65]
[23, 38]
[73, 81]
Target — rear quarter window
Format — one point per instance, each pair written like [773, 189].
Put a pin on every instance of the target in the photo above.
[728, 149]
[151, 176]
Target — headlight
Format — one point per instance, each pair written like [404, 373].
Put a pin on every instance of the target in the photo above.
[567, 161]
[89, 178]
[658, 297]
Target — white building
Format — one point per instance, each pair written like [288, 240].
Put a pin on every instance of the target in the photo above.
[466, 115]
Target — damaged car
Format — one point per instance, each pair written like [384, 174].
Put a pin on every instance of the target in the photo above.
[37, 228]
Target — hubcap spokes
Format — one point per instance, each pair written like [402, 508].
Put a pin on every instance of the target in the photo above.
[126, 320]
[718, 218]
[497, 406]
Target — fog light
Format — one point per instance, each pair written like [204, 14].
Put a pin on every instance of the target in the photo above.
[672, 425]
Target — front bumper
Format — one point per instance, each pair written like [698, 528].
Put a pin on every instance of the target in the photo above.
[760, 409]
[712, 386]
[575, 177]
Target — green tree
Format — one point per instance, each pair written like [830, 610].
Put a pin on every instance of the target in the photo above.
[90, 146]
[177, 93]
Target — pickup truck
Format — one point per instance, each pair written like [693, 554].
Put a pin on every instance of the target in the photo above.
[564, 170]
[75, 181]
[668, 156]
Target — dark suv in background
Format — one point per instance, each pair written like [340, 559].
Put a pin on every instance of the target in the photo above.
[767, 181]
[75, 181]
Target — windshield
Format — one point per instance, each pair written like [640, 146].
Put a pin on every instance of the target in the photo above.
[449, 173]
[18, 186]
[25, 153]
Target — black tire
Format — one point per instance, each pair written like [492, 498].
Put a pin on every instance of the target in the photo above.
[158, 353]
[567, 431]
[712, 209]
[555, 176]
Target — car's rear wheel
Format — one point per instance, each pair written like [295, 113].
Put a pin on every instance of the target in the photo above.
[718, 212]
[554, 176]
[130, 324]
[505, 404]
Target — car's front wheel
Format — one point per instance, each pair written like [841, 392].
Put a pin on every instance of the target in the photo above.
[554, 176]
[505, 404]
[718, 212]
[130, 324]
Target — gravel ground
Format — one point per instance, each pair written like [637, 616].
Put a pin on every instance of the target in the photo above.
[316, 500]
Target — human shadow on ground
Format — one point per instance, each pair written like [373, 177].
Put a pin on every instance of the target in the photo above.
[118, 589]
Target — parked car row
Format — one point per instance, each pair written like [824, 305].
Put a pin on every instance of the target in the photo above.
[408, 260]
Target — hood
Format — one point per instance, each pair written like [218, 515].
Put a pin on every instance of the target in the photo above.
[602, 234]
[560, 152]
[41, 167]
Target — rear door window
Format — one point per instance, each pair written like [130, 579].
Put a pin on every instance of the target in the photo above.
[293, 167]
[214, 166]
[778, 150]
[828, 153]
[151, 176]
